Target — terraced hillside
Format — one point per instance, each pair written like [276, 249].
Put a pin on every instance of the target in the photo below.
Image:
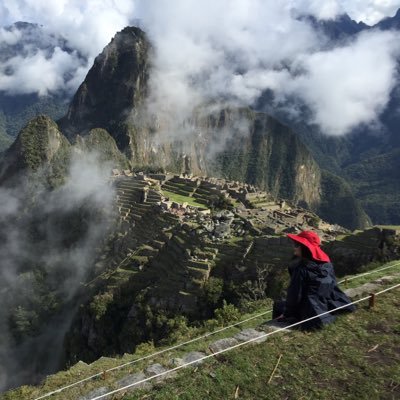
[183, 246]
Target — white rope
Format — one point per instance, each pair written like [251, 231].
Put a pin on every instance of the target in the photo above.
[241, 344]
[368, 273]
[386, 290]
[152, 355]
[238, 345]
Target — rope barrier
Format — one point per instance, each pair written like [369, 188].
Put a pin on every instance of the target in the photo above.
[180, 344]
[153, 355]
[368, 273]
[386, 290]
[237, 345]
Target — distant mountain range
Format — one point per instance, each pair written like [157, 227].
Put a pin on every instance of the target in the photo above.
[16, 109]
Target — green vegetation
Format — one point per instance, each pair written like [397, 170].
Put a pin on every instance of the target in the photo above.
[5, 139]
[355, 358]
[100, 141]
[182, 199]
[339, 205]
[394, 227]
[376, 183]
[17, 111]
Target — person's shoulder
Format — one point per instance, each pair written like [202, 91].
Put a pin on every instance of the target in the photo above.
[319, 268]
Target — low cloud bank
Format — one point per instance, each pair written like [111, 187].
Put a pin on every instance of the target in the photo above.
[49, 242]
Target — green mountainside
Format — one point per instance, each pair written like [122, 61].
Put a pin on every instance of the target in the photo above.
[16, 111]
[376, 182]
[39, 146]
[339, 203]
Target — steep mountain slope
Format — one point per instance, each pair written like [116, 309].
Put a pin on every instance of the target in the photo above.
[40, 145]
[116, 84]
[376, 182]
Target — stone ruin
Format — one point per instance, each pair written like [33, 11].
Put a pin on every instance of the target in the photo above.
[261, 213]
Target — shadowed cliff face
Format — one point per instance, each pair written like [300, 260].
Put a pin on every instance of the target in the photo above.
[258, 149]
[116, 84]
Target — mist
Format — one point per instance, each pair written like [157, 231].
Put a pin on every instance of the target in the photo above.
[236, 51]
[49, 243]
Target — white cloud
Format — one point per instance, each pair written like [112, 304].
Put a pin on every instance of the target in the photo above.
[230, 49]
[224, 50]
[326, 9]
[370, 11]
[88, 27]
[203, 47]
[39, 73]
[351, 85]
[9, 37]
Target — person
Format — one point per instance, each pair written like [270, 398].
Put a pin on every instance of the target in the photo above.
[313, 289]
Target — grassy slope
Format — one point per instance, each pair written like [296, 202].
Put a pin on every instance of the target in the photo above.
[312, 365]
[182, 199]
[356, 358]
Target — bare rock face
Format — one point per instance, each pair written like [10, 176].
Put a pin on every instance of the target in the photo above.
[116, 84]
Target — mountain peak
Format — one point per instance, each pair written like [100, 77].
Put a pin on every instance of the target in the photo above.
[117, 82]
[338, 28]
[24, 25]
[390, 22]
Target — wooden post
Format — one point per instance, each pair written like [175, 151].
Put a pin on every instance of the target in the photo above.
[372, 300]
[345, 283]
[104, 376]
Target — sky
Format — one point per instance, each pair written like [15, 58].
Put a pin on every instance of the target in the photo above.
[231, 49]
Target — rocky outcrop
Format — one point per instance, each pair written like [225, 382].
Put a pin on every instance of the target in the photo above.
[40, 145]
[100, 141]
[116, 84]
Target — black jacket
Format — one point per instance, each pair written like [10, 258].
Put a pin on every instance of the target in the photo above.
[313, 290]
